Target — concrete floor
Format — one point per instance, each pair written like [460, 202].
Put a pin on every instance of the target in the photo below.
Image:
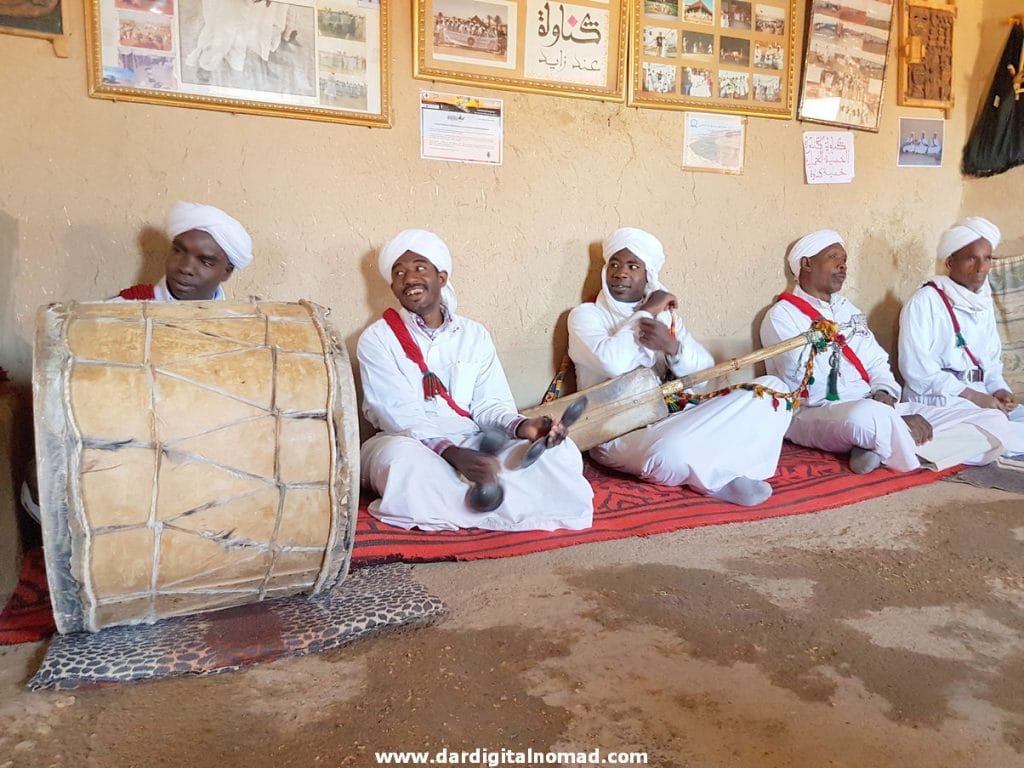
[889, 633]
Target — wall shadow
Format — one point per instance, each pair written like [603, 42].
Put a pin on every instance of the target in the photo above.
[755, 326]
[378, 297]
[154, 246]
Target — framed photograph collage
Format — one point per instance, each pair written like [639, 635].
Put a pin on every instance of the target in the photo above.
[736, 56]
[310, 59]
[844, 64]
[538, 46]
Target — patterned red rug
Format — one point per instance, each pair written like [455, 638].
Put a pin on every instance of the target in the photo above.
[28, 616]
[807, 481]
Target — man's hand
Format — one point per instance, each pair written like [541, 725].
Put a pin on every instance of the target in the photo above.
[920, 429]
[981, 399]
[475, 466]
[538, 427]
[884, 397]
[654, 335]
[1005, 398]
[658, 302]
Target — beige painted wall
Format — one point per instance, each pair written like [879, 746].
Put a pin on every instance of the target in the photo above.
[84, 181]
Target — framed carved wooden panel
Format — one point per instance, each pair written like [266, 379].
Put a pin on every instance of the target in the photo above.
[926, 54]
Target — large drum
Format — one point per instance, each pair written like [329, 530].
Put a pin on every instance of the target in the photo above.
[192, 456]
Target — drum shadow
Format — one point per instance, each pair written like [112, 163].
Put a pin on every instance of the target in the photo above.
[154, 247]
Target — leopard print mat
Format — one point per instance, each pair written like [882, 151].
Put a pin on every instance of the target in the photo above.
[368, 601]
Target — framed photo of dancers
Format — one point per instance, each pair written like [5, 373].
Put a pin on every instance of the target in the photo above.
[307, 59]
[844, 62]
[733, 56]
[535, 46]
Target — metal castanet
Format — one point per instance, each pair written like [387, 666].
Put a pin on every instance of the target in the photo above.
[570, 416]
[487, 497]
[637, 398]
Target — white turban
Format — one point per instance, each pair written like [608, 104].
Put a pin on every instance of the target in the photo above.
[965, 232]
[229, 234]
[429, 246]
[641, 244]
[811, 245]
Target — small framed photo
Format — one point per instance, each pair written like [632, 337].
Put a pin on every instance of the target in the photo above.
[844, 62]
[713, 142]
[308, 59]
[535, 46]
[732, 56]
[920, 142]
[45, 19]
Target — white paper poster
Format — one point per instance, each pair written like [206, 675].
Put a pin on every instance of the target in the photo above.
[828, 157]
[466, 129]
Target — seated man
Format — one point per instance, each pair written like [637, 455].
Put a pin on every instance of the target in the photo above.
[207, 245]
[851, 404]
[726, 447]
[950, 351]
[431, 382]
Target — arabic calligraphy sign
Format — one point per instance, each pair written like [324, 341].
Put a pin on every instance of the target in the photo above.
[570, 49]
[734, 56]
[828, 157]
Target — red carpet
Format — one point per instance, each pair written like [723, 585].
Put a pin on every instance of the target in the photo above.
[28, 616]
[807, 481]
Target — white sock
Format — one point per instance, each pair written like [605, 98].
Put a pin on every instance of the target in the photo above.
[863, 461]
[744, 491]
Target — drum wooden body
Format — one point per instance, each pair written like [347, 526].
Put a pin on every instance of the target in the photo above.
[192, 456]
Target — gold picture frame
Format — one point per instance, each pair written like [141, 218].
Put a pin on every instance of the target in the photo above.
[534, 46]
[307, 59]
[845, 61]
[43, 20]
[926, 54]
[731, 56]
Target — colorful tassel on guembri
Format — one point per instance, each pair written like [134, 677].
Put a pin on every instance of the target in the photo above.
[829, 332]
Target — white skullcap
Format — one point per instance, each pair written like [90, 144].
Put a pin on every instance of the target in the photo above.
[965, 232]
[641, 244]
[229, 234]
[811, 245]
[429, 246]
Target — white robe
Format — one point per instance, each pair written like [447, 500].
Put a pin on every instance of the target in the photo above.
[855, 419]
[935, 370]
[704, 446]
[420, 489]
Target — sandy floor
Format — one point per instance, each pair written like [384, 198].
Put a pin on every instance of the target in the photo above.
[889, 633]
